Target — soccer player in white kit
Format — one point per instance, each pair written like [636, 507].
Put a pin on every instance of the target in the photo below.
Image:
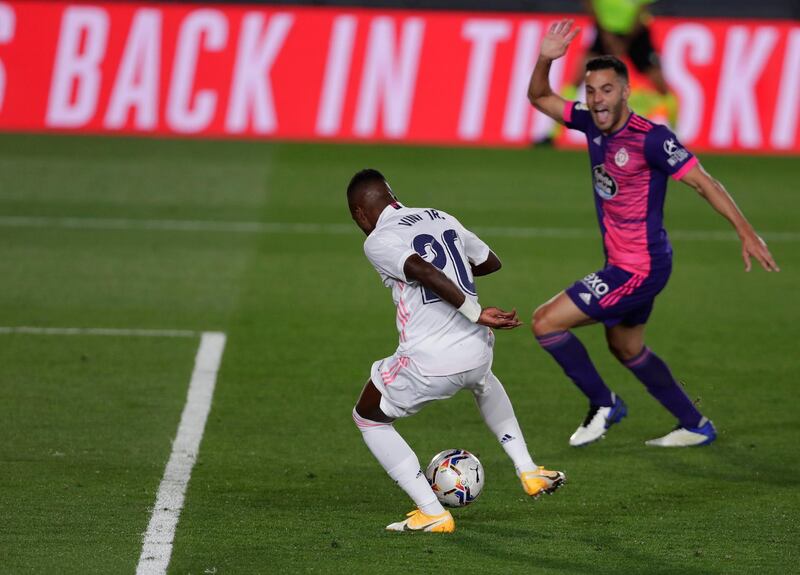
[429, 261]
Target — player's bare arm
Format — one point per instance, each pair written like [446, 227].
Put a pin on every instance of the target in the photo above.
[715, 194]
[491, 265]
[431, 277]
[554, 46]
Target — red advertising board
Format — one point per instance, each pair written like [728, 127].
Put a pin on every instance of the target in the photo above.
[354, 74]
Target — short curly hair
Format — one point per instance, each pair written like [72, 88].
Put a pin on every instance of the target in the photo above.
[362, 178]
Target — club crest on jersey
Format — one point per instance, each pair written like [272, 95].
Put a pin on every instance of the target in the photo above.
[621, 157]
[604, 185]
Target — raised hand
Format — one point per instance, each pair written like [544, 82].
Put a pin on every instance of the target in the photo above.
[557, 39]
[499, 319]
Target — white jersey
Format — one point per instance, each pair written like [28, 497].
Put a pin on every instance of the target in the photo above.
[433, 334]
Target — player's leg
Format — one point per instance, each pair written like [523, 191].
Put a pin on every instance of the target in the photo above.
[551, 324]
[368, 405]
[626, 342]
[498, 414]
[400, 462]
[580, 305]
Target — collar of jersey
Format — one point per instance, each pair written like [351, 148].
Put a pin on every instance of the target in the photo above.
[385, 213]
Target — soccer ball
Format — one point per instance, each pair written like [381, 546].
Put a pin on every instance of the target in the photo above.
[456, 477]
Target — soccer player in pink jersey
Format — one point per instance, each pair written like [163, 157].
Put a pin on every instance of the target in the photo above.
[631, 160]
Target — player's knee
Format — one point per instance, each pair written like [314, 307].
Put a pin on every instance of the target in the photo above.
[368, 406]
[540, 321]
[624, 351]
[366, 418]
[364, 412]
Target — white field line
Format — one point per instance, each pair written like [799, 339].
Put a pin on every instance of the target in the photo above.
[157, 548]
[338, 229]
[24, 329]
[157, 544]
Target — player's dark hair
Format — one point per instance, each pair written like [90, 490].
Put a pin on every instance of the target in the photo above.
[608, 63]
[360, 179]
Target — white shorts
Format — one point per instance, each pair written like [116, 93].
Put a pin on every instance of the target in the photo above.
[405, 390]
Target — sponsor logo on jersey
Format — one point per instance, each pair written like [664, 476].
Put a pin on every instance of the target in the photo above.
[604, 185]
[676, 153]
[595, 284]
[621, 157]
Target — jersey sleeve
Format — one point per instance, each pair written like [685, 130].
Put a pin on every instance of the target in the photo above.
[664, 152]
[577, 116]
[475, 249]
[387, 252]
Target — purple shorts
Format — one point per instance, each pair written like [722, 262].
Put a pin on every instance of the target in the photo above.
[614, 296]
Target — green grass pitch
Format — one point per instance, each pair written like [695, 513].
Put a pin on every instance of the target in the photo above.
[283, 483]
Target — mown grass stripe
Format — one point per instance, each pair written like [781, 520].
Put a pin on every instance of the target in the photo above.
[338, 229]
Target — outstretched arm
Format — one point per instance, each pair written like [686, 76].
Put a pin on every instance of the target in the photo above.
[554, 46]
[715, 194]
[417, 269]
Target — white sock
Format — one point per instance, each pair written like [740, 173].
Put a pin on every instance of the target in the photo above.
[497, 412]
[399, 461]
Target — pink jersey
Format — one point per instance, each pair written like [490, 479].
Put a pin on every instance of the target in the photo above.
[630, 168]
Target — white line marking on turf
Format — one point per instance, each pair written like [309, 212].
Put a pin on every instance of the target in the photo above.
[157, 548]
[24, 329]
[339, 229]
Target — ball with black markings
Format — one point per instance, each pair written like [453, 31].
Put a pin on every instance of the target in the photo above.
[456, 477]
